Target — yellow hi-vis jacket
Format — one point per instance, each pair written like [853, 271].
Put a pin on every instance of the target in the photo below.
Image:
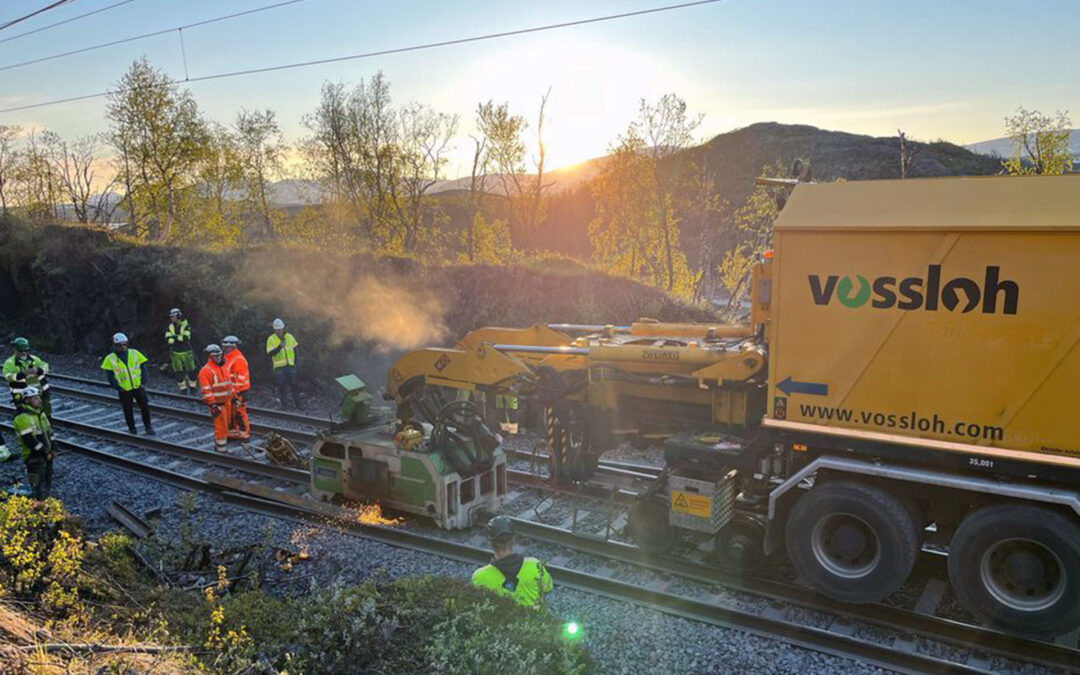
[286, 356]
[128, 374]
[527, 587]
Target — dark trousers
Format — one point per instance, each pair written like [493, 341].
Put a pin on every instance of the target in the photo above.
[285, 380]
[128, 400]
[39, 472]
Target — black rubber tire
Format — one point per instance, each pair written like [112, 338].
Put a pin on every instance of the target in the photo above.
[897, 540]
[648, 525]
[746, 532]
[991, 524]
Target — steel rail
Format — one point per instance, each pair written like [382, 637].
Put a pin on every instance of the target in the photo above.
[184, 413]
[892, 618]
[284, 415]
[765, 625]
[271, 471]
[629, 469]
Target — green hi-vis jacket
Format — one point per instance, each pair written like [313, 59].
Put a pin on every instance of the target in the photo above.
[178, 335]
[34, 431]
[528, 587]
[127, 372]
[14, 367]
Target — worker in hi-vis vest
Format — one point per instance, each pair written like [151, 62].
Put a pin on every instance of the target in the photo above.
[281, 347]
[511, 574]
[123, 367]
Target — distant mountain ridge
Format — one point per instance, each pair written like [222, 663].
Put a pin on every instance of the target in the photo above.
[737, 157]
[1003, 148]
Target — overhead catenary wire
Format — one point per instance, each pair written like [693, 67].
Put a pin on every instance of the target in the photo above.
[381, 52]
[51, 5]
[143, 36]
[61, 23]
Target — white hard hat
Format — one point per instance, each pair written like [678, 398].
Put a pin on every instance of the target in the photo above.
[175, 311]
[230, 340]
[278, 324]
[119, 338]
[213, 349]
[30, 392]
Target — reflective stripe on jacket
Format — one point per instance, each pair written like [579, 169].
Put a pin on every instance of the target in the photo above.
[128, 374]
[15, 366]
[29, 423]
[237, 365]
[532, 583]
[287, 355]
[178, 335]
[215, 382]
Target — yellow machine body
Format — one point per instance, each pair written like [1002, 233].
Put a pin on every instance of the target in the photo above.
[945, 312]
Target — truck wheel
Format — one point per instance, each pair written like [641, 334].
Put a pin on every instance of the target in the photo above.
[853, 542]
[740, 545]
[1017, 567]
[648, 525]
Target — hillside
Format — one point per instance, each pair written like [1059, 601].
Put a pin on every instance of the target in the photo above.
[1002, 147]
[734, 159]
[70, 288]
[737, 157]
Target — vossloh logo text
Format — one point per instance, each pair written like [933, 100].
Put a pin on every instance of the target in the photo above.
[911, 293]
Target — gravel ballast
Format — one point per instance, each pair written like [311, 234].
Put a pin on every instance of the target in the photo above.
[622, 638]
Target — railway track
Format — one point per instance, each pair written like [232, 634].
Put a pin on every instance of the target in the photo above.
[772, 623]
[266, 420]
[974, 648]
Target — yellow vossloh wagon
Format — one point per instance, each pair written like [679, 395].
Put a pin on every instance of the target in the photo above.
[906, 377]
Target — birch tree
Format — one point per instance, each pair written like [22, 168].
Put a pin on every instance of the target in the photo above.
[158, 135]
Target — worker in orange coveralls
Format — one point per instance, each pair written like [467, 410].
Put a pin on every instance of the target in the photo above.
[236, 362]
[217, 392]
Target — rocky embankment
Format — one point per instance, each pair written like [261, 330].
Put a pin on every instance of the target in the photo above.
[69, 289]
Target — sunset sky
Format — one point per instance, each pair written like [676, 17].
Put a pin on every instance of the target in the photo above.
[936, 69]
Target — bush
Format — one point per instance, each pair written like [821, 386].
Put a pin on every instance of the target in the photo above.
[407, 625]
[40, 554]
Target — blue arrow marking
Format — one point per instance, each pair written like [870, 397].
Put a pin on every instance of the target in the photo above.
[790, 386]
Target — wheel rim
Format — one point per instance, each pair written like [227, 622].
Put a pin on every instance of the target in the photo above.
[1022, 574]
[845, 545]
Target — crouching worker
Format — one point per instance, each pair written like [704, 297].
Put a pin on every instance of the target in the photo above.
[35, 436]
[526, 580]
[217, 393]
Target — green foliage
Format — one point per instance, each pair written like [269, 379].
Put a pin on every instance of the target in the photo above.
[114, 553]
[489, 242]
[377, 161]
[634, 227]
[159, 137]
[427, 624]
[40, 554]
[397, 626]
[1040, 143]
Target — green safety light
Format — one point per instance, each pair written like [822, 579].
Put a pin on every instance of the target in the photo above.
[571, 630]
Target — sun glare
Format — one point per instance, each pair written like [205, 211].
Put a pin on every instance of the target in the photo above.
[595, 88]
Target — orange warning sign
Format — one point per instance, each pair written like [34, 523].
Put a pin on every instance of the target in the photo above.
[691, 504]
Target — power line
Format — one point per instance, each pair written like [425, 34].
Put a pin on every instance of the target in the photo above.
[143, 36]
[61, 23]
[52, 5]
[383, 52]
